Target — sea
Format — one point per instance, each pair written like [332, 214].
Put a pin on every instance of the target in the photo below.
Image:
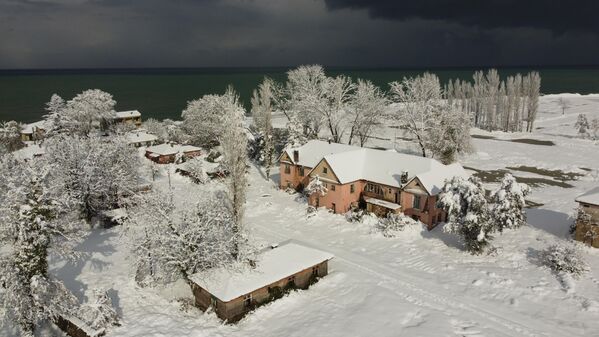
[164, 93]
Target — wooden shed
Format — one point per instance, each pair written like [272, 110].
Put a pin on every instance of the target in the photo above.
[587, 224]
[279, 268]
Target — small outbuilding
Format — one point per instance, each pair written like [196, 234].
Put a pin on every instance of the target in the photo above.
[587, 223]
[279, 268]
[139, 138]
[167, 153]
[34, 131]
[128, 117]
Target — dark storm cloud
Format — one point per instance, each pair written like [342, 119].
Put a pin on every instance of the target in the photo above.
[199, 33]
[555, 15]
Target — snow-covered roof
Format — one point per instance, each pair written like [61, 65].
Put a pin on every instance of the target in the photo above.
[115, 214]
[140, 137]
[590, 197]
[127, 114]
[434, 180]
[29, 152]
[313, 151]
[168, 149]
[386, 167]
[29, 128]
[383, 203]
[272, 265]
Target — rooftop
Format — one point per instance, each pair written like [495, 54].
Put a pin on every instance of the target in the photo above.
[139, 137]
[313, 151]
[28, 128]
[127, 114]
[168, 149]
[590, 197]
[272, 265]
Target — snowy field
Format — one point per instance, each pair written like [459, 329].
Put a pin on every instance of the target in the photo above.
[417, 284]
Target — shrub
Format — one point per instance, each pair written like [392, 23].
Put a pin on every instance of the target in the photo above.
[354, 215]
[393, 223]
[563, 258]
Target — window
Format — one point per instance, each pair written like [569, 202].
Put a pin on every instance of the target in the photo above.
[287, 169]
[332, 187]
[352, 188]
[376, 189]
[389, 190]
[324, 170]
[315, 271]
[417, 201]
[301, 171]
[247, 301]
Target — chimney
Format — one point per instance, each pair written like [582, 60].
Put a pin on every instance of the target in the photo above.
[295, 156]
[404, 177]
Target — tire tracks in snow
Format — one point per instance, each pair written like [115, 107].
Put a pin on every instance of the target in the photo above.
[424, 297]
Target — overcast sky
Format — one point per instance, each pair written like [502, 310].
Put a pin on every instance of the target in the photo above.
[230, 33]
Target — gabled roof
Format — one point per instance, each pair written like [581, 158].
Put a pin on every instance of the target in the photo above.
[140, 136]
[168, 149]
[28, 128]
[272, 265]
[313, 151]
[127, 114]
[386, 167]
[590, 197]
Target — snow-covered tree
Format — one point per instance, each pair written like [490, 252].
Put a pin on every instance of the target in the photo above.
[262, 105]
[96, 172]
[564, 258]
[468, 213]
[195, 167]
[55, 115]
[99, 314]
[305, 98]
[202, 119]
[595, 128]
[449, 134]
[508, 202]
[316, 186]
[35, 221]
[296, 137]
[365, 111]
[564, 104]
[10, 136]
[582, 125]
[419, 100]
[88, 110]
[233, 141]
[174, 242]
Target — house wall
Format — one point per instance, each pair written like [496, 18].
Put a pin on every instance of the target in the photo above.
[130, 120]
[235, 309]
[342, 197]
[427, 213]
[292, 179]
[588, 232]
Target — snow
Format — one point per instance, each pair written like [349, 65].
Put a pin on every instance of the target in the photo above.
[127, 114]
[383, 203]
[29, 128]
[313, 151]
[386, 167]
[29, 152]
[422, 284]
[590, 197]
[134, 137]
[168, 149]
[272, 265]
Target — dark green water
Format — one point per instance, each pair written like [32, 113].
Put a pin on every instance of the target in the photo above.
[163, 93]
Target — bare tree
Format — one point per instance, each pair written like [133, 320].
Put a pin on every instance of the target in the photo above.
[365, 110]
[262, 105]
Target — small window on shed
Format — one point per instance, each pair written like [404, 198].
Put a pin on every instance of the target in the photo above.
[247, 301]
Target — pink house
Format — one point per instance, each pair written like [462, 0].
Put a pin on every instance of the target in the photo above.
[380, 181]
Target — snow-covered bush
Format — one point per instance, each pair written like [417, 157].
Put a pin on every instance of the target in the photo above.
[508, 203]
[468, 213]
[393, 223]
[100, 313]
[355, 215]
[10, 136]
[195, 167]
[564, 258]
[311, 211]
[582, 125]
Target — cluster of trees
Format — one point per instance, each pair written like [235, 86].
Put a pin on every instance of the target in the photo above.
[47, 204]
[474, 218]
[509, 105]
[586, 128]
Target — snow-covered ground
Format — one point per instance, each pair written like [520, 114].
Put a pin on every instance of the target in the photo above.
[417, 284]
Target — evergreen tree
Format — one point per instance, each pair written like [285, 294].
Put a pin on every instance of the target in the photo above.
[508, 203]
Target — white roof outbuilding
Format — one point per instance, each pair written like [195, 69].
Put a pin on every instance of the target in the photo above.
[590, 197]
